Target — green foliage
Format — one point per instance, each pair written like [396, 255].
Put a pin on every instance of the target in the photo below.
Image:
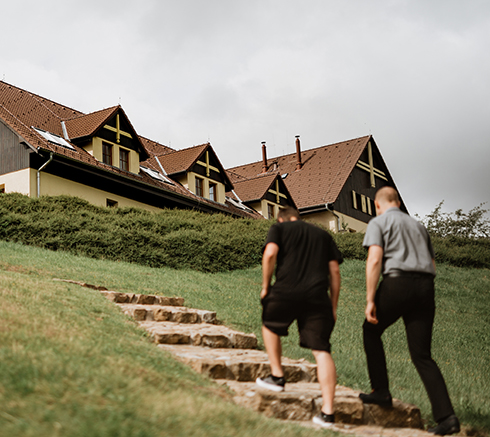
[184, 239]
[173, 238]
[471, 225]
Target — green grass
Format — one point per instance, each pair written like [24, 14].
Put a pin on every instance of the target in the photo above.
[71, 364]
[85, 367]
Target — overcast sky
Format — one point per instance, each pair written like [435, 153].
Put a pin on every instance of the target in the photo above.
[415, 74]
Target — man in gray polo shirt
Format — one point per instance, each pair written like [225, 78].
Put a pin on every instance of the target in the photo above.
[399, 248]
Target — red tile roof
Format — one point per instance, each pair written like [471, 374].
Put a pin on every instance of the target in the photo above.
[21, 110]
[87, 125]
[179, 161]
[323, 174]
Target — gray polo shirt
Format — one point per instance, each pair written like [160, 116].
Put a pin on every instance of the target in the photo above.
[406, 243]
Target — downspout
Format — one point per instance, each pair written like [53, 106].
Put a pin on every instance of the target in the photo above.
[335, 215]
[38, 176]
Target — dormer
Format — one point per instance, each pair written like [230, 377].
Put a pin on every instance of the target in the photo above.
[109, 137]
[199, 170]
[266, 194]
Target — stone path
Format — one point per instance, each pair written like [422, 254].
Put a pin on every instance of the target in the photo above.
[196, 338]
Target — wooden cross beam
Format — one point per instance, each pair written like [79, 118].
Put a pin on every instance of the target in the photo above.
[369, 167]
[278, 193]
[118, 130]
[207, 165]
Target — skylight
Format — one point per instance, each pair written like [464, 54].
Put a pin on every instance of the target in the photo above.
[156, 175]
[52, 138]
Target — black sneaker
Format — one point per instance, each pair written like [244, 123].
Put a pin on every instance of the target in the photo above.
[325, 420]
[450, 425]
[378, 397]
[271, 383]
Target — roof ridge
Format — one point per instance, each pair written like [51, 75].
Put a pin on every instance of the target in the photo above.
[259, 176]
[34, 95]
[302, 151]
[342, 165]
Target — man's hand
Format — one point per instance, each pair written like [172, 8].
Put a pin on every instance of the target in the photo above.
[371, 313]
[264, 292]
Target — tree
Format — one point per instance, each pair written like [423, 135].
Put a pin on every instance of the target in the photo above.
[473, 224]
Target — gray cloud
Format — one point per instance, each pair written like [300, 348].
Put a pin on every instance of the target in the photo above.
[412, 73]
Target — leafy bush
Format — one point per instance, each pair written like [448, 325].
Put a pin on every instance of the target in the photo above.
[173, 238]
[181, 239]
[473, 224]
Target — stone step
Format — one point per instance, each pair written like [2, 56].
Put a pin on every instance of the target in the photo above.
[301, 401]
[199, 334]
[160, 313]
[238, 364]
[143, 299]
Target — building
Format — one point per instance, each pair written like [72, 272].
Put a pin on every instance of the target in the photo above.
[50, 149]
[333, 185]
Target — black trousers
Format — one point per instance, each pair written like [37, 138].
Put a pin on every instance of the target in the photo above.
[412, 298]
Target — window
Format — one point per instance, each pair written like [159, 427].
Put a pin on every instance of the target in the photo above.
[2, 188]
[56, 139]
[111, 203]
[107, 153]
[212, 192]
[363, 203]
[123, 159]
[199, 187]
[369, 206]
[270, 211]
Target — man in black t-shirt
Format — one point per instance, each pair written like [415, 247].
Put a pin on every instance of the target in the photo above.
[307, 265]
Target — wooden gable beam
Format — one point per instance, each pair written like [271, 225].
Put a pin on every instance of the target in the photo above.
[369, 167]
[118, 130]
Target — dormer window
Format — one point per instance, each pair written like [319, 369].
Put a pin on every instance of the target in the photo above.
[199, 187]
[107, 153]
[212, 191]
[124, 159]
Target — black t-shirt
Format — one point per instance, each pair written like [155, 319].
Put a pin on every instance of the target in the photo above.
[304, 253]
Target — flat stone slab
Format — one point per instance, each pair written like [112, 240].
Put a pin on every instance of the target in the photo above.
[199, 334]
[239, 364]
[143, 299]
[160, 313]
[302, 401]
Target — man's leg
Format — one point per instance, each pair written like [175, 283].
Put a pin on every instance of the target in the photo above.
[418, 326]
[389, 308]
[273, 347]
[327, 377]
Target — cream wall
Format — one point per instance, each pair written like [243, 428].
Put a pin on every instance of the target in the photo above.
[18, 182]
[54, 186]
[330, 221]
[95, 149]
[189, 182]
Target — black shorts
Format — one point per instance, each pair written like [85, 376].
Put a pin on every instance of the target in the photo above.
[314, 317]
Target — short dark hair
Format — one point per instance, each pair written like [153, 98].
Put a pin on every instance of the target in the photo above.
[287, 213]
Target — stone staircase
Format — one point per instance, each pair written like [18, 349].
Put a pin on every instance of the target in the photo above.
[230, 357]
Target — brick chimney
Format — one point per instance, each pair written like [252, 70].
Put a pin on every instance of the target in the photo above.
[299, 164]
[264, 158]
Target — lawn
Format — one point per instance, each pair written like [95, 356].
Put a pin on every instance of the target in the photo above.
[79, 367]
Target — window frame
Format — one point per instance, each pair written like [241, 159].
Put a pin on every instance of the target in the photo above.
[199, 185]
[123, 163]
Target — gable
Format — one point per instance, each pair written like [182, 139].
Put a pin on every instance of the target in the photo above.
[208, 165]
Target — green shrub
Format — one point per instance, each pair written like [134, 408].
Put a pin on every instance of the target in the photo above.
[173, 238]
[181, 239]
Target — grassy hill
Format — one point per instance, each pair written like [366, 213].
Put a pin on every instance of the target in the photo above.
[72, 365]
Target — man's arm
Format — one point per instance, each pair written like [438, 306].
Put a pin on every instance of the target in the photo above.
[334, 270]
[269, 259]
[373, 271]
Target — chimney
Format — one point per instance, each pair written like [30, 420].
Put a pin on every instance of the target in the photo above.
[264, 158]
[299, 164]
